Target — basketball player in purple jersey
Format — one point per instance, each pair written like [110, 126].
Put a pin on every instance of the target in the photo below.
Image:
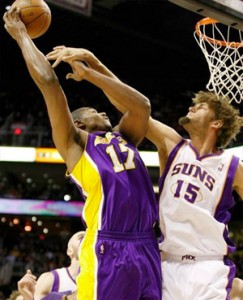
[196, 183]
[119, 255]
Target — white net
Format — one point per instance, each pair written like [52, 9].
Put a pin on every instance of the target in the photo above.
[222, 47]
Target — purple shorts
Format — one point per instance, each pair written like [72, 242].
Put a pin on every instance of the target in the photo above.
[127, 267]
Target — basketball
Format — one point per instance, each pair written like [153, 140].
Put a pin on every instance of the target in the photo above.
[36, 16]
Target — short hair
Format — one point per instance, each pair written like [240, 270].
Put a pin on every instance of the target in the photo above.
[80, 233]
[223, 111]
[79, 114]
[14, 295]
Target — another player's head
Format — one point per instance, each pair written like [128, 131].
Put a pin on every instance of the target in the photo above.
[15, 295]
[88, 119]
[74, 243]
[218, 110]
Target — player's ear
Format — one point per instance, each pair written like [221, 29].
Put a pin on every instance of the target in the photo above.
[69, 251]
[80, 124]
[217, 124]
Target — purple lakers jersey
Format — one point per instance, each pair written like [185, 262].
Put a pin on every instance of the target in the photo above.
[118, 190]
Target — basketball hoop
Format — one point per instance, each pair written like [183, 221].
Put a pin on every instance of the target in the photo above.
[222, 47]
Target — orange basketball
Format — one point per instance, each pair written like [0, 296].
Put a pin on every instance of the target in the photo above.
[36, 16]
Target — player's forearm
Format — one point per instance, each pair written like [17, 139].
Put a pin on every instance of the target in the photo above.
[124, 97]
[37, 64]
[97, 65]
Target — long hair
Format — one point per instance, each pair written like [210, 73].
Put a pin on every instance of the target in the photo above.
[223, 111]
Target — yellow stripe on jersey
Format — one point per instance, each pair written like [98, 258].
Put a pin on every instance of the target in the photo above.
[86, 175]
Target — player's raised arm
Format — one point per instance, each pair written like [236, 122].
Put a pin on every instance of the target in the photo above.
[135, 106]
[42, 73]
[60, 53]
[26, 285]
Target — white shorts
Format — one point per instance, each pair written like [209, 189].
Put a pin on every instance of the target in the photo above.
[196, 279]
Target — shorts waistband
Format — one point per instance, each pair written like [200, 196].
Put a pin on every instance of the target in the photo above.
[165, 256]
[116, 235]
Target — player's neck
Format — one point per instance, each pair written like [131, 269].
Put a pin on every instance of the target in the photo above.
[204, 146]
[74, 268]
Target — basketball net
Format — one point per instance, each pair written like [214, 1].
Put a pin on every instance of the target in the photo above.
[222, 47]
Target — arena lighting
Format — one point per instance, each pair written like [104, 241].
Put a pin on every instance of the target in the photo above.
[51, 155]
[40, 208]
[18, 154]
[18, 131]
[27, 227]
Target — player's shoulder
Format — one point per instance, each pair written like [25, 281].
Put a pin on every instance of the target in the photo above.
[46, 276]
[238, 283]
[237, 289]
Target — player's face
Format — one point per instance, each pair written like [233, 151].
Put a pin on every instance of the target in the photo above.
[74, 243]
[199, 116]
[95, 121]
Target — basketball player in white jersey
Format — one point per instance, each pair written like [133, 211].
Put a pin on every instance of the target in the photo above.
[197, 178]
[58, 280]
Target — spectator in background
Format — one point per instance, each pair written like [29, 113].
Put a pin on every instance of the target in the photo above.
[58, 280]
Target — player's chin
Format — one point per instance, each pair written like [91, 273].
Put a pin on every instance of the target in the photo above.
[184, 120]
[108, 126]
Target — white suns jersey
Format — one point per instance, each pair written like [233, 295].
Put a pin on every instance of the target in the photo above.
[63, 281]
[195, 196]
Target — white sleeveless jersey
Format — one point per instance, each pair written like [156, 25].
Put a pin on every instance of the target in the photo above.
[63, 281]
[195, 196]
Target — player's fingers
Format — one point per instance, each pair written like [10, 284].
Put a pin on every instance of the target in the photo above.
[56, 63]
[70, 76]
[14, 12]
[5, 16]
[59, 47]
[52, 55]
[30, 275]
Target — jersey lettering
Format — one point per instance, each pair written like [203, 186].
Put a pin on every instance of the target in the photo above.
[188, 191]
[117, 165]
[196, 172]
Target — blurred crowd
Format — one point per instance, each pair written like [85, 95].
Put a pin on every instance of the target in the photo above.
[20, 250]
[24, 120]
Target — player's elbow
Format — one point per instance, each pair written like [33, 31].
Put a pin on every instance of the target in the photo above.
[47, 80]
[146, 107]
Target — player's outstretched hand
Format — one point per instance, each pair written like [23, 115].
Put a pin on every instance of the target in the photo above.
[13, 24]
[62, 53]
[26, 285]
[78, 68]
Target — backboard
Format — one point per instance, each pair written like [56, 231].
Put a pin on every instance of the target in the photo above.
[229, 12]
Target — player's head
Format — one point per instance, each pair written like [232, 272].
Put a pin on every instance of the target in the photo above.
[15, 295]
[74, 243]
[88, 119]
[219, 110]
